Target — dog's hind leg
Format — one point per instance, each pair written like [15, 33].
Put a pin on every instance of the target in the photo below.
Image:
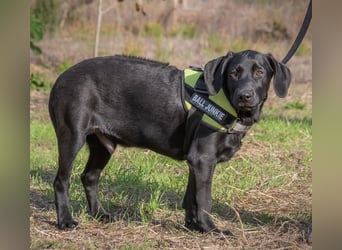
[69, 145]
[99, 155]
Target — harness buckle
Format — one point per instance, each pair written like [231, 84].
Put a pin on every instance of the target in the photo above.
[238, 127]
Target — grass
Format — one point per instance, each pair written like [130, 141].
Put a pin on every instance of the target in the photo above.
[64, 65]
[187, 31]
[39, 81]
[263, 195]
[153, 29]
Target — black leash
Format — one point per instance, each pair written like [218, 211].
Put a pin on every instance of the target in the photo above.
[300, 35]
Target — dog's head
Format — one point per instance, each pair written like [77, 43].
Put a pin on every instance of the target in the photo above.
[245, 77]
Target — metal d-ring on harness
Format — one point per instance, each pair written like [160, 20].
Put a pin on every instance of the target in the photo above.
[197, 103]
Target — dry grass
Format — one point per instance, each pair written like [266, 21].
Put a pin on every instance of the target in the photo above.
[165, 232]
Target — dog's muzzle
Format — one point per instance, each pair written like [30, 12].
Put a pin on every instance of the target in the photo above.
[246, 100]
[247, 106]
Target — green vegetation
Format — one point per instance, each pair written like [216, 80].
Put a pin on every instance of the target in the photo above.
[133, 47]
[47, 12]
[187, 31]
[304, 49]
[294, 105]
[39, 81]
[64, 65]
[162, 53]
[240, 44]
[153, 29]
[36, 34]
[217, 43]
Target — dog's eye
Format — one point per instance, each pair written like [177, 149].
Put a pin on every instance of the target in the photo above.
[234, 73]
[258, 73]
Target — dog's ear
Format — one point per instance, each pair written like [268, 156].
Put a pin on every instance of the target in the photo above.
[214, 71]
[281, 77]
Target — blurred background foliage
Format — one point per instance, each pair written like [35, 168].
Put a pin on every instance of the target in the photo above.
[182, 32]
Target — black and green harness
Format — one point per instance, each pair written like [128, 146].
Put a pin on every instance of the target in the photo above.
[213, 111]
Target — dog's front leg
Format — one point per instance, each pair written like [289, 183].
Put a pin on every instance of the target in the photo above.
[197, 200]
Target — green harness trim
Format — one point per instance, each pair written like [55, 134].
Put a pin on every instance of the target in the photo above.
[190, 78]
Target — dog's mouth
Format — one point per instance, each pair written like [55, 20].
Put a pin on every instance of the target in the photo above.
[246, 108]
[247, 115]
[247, 105]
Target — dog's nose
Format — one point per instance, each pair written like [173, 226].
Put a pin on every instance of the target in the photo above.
[245, 96]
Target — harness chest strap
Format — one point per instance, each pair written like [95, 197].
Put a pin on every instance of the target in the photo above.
[215, 109]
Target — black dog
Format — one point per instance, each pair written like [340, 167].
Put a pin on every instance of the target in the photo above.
[130, 101]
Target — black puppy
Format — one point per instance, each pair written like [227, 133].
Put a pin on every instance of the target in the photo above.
[130, 101]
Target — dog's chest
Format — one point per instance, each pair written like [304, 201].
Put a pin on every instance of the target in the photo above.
[227, 146]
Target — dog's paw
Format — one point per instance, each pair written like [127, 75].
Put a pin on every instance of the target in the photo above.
[226, 233]
[200, 227]
[68, 225]
[195, 227]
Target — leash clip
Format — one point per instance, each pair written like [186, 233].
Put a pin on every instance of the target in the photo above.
[238, 128]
